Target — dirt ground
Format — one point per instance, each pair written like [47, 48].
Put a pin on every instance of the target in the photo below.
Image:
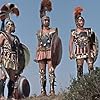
[58, 97]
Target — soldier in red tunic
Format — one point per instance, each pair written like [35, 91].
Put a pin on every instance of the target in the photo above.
[44, 55]
[44, 52]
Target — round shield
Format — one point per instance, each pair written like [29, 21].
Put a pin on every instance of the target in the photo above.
[97, 48]
[23, 57]
[23, 87]
[56, 50]
[26, 54]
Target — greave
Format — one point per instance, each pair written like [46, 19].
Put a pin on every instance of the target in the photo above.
[51, 79]
[43, 81]
[79, 71]
[52, 87]
[10, 88]
[90, 68]
[90, 71]
[2, 85]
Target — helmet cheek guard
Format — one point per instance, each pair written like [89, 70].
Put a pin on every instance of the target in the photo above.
[44, 18]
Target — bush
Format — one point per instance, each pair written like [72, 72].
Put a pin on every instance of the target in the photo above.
[87, 88]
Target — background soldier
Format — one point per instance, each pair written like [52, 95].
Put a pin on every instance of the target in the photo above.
[85, 44]
[9, 44]
[44, 52]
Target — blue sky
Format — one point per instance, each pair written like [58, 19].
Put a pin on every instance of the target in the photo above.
[28, 23]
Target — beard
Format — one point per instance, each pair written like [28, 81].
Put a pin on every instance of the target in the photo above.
[10, 29]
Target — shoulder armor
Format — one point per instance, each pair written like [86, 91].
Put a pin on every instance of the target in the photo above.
[2, 32]
[38, 33]
[91, 32]
[88, 28]
[54, 30]
[16, 39]
[73, 32]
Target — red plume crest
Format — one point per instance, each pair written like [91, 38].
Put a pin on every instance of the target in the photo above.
[78, 10]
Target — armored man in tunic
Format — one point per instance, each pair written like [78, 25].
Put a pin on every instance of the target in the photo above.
[12, 58]
[46, 37]
[43, 55]
[84, 41]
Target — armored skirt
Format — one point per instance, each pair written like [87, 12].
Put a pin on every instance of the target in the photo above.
[10, 62]
[44, 44]
[43, 54]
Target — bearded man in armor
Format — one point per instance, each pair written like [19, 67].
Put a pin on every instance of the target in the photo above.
[84, 40]
[9, 57]
[14, 56]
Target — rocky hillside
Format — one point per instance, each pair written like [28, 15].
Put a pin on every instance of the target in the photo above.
[87, 88]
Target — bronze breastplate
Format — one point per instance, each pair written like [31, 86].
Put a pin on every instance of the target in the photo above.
[6, 46]
[81, 39]
[45, 41]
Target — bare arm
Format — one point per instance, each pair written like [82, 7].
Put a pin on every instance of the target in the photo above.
[1, 43]
[2, 38]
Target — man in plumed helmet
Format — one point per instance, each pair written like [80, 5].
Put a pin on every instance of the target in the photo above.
[9, 59]
[84, 40]
[9, 66]
[43, 53]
